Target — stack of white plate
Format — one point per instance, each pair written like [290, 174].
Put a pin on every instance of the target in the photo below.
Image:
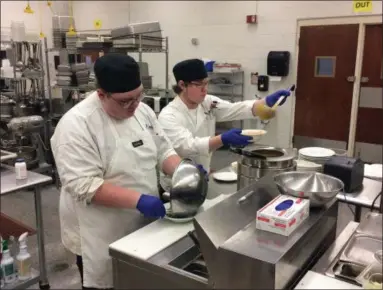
[317, 155]
[304, 165]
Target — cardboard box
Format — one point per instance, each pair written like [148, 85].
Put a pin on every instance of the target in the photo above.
[283, 222]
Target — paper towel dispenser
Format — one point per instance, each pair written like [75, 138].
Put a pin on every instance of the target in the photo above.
[278, 63]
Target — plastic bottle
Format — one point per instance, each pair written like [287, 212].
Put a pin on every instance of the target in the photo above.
[7, 264]
[23, 258]
[21, 169]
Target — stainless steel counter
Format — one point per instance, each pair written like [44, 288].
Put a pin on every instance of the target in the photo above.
[282, 260]
[332, 252]
[9, 185]
[363, 197]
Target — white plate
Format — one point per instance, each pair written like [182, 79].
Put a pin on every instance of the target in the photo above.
[179, 220]
[317, 152]
[225, 176]
[176, 220]
[253, 132]
[304, 164]
[373, 171]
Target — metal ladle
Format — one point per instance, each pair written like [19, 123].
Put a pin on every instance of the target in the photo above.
[280, 100]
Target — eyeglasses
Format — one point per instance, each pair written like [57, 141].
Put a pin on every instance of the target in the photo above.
[200, 84]
[127, 104]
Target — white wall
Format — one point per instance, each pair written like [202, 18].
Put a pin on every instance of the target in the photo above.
[223, 34]
[40, 20]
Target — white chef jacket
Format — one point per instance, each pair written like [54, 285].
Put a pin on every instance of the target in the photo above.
[89, 148]
[190, 130]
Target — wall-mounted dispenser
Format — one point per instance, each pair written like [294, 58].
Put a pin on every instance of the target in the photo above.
[278, 63]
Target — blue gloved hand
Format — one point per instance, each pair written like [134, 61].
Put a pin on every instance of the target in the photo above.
[151, 206]
[274, 97]
[200, 167]
[234, 137]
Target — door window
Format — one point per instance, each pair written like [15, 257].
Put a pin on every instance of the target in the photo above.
[325, 66]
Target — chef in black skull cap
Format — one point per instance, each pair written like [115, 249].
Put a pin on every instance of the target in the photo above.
[190, 119]
[106, 149]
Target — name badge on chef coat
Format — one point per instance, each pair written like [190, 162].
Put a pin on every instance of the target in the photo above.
[213, 106]
[137, 143]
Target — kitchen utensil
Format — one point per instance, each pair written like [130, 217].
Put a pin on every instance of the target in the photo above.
[245, 197]
[188, 189]
[266, 122]
[319, 188]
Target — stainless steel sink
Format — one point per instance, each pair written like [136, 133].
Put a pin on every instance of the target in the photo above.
[361, 249]
[355, 252]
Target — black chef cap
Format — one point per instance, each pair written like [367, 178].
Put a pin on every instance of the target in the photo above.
[117, 73]
[189, 70]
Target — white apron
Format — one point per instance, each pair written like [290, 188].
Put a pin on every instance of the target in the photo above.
[100, 226]
[204, 126]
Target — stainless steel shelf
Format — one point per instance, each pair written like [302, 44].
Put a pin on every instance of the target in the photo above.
[24, 284]
[22, 78]
[226, 73]
[76, 88]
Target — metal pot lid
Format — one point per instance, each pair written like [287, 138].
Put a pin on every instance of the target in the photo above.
[264, 152]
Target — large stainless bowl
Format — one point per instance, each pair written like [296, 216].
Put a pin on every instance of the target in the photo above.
[318, 187]
[188, 191]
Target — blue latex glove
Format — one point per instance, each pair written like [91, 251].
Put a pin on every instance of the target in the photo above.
[151, 206]
[234, 137]
[200, 167]
[274, 97]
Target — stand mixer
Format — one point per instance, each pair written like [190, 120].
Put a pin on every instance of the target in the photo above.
[29, 145]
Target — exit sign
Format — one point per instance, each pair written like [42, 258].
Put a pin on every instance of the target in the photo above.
[362, 6]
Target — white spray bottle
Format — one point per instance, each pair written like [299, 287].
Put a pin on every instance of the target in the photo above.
[23, 258]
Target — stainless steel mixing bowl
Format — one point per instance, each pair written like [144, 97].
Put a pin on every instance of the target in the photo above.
[318, 187]
[188, 191]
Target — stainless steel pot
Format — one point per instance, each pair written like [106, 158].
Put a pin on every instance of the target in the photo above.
[257, 161]
[260, 156]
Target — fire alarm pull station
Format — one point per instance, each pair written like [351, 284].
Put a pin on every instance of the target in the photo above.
[263, 83]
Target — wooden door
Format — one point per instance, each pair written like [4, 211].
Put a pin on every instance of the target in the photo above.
[369, 136]
[327, 56]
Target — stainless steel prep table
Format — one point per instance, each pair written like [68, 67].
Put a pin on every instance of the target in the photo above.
[363, 197]
[9, 185]
[163, 267]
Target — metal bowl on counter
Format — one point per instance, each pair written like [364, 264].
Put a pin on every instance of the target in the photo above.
[318, 187]
[188, 190]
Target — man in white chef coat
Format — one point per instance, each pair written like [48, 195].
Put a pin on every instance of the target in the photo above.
[189, 120]
[106, 150]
